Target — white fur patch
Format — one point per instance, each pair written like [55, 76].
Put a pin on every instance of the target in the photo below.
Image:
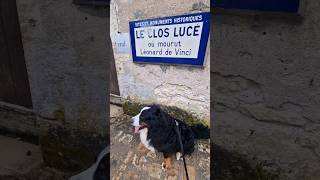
[162, 166]
[178, 156]
[143, 132]
[144, 140]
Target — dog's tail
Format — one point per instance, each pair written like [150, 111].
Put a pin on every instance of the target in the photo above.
[200, 131]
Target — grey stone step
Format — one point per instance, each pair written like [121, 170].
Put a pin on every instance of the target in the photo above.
[18, 157]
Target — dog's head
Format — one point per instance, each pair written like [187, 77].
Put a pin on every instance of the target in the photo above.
[146, 118]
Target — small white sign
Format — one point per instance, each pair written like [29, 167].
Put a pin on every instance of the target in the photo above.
[122, 43]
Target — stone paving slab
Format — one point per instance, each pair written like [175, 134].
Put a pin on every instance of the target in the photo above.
[18, 157]
[129, 162]
[115, 111]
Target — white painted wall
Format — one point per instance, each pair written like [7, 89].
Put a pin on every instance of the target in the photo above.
[183, 86]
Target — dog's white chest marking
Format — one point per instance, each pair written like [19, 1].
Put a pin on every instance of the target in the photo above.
[144, 140]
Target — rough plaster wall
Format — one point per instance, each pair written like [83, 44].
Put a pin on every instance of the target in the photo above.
[266, 86]
[66, 57]
[181, 86]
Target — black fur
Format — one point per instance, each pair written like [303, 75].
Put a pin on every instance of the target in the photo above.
[162, 134]
[102, 171]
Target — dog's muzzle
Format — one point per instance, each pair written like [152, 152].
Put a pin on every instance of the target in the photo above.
[135, 125]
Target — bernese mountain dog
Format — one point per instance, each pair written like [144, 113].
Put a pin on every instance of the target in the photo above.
[157, 133]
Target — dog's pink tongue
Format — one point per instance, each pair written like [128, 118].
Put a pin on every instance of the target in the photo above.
[136, 129]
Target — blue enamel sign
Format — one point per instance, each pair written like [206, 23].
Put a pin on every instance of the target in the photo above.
[171, 40]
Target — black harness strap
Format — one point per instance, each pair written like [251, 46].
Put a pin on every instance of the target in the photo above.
[181, 147]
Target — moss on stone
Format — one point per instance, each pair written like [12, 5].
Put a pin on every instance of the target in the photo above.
[133, 108]
[59, 115]
[63, 157]
[228, 165]
[69, 149]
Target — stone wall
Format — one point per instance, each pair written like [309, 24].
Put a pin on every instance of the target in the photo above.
[66, 53]
[66, 57]
[181, 86]
[265, 84]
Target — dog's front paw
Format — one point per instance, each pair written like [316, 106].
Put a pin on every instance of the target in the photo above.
[167, 164]
[178, 156]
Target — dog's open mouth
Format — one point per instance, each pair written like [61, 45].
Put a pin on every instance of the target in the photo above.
[138, 128]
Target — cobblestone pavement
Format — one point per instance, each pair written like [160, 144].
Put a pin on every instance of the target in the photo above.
[130, 162]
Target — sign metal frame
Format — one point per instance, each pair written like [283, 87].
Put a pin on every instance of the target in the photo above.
[199, 61]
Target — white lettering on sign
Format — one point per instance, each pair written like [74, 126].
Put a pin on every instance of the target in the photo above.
[174, 40]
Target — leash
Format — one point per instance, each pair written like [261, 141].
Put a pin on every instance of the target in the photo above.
[181, 147]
